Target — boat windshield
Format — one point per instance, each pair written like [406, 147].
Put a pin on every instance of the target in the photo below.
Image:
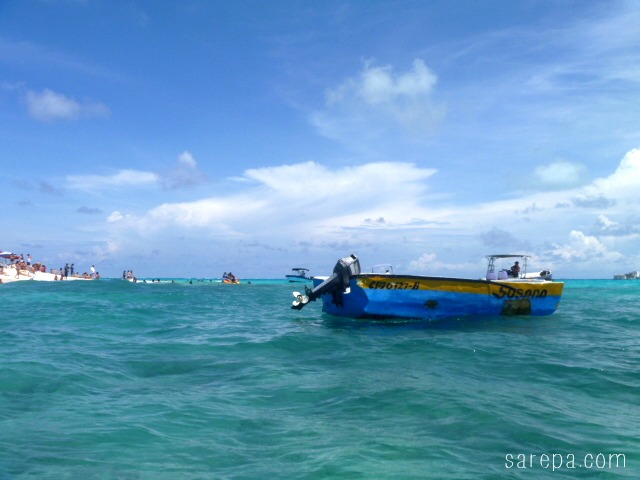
[385, 268]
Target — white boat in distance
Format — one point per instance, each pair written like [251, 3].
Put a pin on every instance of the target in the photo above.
[300, 275]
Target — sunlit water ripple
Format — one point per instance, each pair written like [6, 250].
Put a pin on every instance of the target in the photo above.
[108, 379]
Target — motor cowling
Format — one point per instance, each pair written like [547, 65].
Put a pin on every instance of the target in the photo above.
[346, 268]
[339, 281]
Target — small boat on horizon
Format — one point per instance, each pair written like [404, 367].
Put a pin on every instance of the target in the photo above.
[350, 293]
[635, 275]
[301, 275]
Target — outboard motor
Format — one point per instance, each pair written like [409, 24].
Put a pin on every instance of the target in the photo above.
[346, 268]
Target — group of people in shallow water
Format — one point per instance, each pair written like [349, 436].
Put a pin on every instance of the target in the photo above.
[128, 275]
[70, 270]
[26, 266]
[229, 278]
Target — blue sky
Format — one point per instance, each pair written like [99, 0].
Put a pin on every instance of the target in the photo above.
[191, 138]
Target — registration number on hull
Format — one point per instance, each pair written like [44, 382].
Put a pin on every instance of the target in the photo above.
[382, 285]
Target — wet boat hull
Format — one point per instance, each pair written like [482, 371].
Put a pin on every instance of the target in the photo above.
[298, 279]
[400, 296]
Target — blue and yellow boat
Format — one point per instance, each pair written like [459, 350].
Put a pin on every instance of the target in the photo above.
[350, 293]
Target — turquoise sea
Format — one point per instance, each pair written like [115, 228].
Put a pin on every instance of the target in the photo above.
[115, 380]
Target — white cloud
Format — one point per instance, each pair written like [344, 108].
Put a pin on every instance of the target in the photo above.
[377, 101]
[429, 264]
[386, 209]
[115, 216]
[101, 253]
[186, 159]
[306, 197]
[606, 224]
[313, 179]
[378, 85]
[628, 227]
[123, 178]
[48, 106]
[610, 195]
[424, 264]
[559, 174]
[380, 196]
[185, 174]
[625, 181]
[213, 213]
[499, 240]
[581, 247]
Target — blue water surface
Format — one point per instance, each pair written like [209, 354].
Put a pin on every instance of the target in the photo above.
[114, 380]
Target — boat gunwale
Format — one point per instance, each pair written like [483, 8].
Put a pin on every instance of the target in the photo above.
[389, 276]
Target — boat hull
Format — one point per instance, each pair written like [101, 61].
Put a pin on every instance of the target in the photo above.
[298, 279]
[400, 296]
[9, 275]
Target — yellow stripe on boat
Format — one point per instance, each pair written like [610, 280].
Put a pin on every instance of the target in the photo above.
[497, 288]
